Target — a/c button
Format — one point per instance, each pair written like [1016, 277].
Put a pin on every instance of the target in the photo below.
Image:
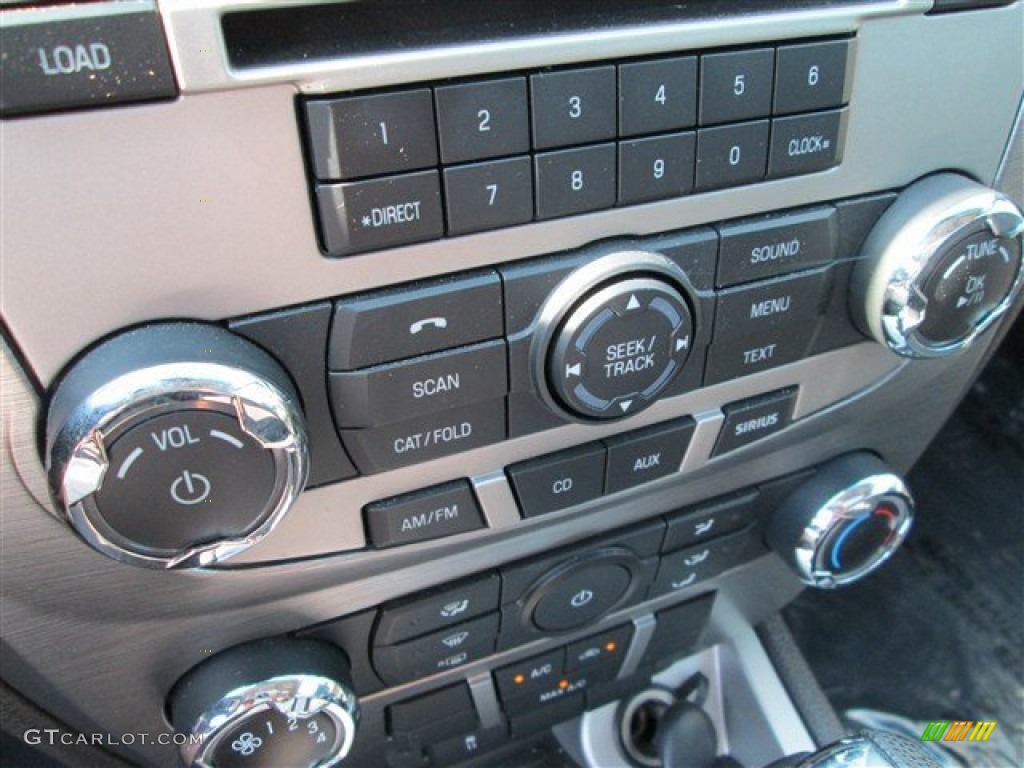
[365, 215]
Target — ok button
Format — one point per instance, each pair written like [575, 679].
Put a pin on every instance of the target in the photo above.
[579, 596]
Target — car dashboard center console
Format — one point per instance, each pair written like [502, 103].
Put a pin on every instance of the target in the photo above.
[426, 377]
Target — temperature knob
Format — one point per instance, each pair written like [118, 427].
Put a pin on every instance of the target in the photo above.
[842, 523]
[267, 704]
[940, 267]
[175, 445]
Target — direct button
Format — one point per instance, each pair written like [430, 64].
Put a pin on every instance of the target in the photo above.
[560, 480]
[405, 390]
[391, 325]
[767, 246]
[183, 478]
[443, 510]
[579, 596]
[366, 215]
[754, 419]
[92, 59]
[647, 454]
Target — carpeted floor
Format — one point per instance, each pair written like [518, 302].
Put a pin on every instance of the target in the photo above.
[939, 633]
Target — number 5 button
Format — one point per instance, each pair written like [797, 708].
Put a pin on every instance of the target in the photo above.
[736, 86]
[481, 120]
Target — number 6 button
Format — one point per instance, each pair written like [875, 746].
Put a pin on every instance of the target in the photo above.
[481, 120]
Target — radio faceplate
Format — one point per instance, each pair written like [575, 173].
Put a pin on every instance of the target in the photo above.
[226, 159]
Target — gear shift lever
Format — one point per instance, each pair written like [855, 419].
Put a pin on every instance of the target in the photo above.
[868, 749]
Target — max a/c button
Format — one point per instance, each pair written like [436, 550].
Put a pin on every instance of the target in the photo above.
[443, 510]
[365, 215]
[750, 420]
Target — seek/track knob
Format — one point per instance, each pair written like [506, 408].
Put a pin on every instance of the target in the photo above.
[175, 445]
[614, 351]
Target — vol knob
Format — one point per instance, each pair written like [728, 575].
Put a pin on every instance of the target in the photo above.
[175, 445]
[266, 704]
[939, 268]
[843, 522]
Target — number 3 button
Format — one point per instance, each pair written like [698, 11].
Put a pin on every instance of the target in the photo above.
[573, 107]
[488, 195]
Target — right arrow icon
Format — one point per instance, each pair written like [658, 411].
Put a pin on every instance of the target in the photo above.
[683, 343]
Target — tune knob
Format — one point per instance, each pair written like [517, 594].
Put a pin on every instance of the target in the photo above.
[266, 704]
[842, 523]
[175, 445]
[940, 267]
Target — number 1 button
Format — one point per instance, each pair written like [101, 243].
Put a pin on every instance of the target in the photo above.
[481, 120]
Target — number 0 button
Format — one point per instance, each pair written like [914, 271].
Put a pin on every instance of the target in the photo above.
[481, 120]
[488, 195]
[573, 107]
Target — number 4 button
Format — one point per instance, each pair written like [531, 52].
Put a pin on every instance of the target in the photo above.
[656, 96]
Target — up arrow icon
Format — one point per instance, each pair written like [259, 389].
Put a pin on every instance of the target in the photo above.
[632, 303]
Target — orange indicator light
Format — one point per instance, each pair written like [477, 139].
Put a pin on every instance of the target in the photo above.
[519, 679]
[610, 646]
